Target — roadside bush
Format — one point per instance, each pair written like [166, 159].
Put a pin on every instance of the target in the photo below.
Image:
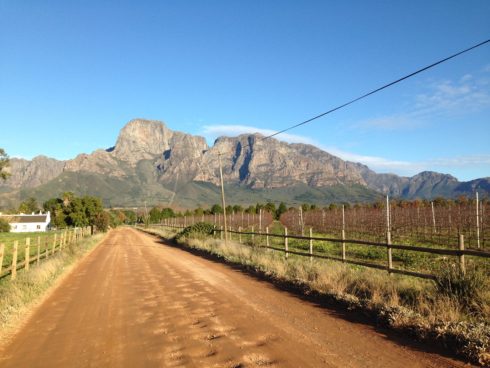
[4, 226]
[467, 288]
[102, 221]
[199, 230]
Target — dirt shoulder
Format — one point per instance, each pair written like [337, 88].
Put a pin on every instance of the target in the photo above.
[137, 302]
[19, 298]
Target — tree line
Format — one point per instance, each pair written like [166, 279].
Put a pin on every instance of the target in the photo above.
[67, 210]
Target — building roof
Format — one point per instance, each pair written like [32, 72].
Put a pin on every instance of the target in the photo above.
[24, 219]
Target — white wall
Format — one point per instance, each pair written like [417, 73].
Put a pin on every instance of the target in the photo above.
[28, 228]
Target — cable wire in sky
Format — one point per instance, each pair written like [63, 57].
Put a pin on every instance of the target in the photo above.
[378, 89]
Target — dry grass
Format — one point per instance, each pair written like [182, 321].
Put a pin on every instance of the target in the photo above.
[19, 296]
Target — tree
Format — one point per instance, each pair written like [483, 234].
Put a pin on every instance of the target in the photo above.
[121, 217]
[155, 215]
[29, 205]
[280, 210]
[67, 198]
[102, 221]
[237, 208]
[216, 209]
[199, 211]
[167, 213]
[4, 226]
[69, 210]
[55, 207]
[440, 202]
[131, 217]
[270, 207]
[59, 218]
[76, 215]
[4, 162]
[92, 206]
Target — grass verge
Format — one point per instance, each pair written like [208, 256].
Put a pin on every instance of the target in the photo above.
[414, 307]
[18, 297]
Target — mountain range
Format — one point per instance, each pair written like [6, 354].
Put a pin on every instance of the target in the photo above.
[154, 164]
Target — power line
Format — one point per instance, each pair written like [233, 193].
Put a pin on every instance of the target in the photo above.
[377, 89]
[351, 102]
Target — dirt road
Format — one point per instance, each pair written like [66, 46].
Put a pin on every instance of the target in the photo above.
[134, 302]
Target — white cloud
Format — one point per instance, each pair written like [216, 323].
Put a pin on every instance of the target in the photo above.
[454, 97]
[469, 94]
[393, 122]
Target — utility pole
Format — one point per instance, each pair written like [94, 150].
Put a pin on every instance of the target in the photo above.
[388, 222]
[223, 197]
[477, 222]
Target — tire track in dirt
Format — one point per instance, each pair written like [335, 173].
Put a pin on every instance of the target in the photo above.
[134, 302]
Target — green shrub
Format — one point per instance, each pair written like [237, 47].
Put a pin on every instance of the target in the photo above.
[4, 226]
[199, 230]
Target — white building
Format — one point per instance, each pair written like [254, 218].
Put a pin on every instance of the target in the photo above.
[23, 223]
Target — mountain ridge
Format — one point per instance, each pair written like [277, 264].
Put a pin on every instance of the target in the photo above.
[154, 159]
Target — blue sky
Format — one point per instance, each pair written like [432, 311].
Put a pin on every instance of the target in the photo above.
[73, 73]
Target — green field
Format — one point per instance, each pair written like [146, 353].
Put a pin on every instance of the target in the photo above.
[45, 240]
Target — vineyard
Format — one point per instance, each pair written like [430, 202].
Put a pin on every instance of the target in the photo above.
[417, 225]
[422, 238]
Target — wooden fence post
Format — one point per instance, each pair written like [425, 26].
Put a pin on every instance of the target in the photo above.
[46, 247]
[54, 244]
[462, 266]
[27, 254]
[311, 244]
[253, 236]
[286, 245]
[343, 245]
[221, 232]
[14, 260]
[267, 236]
[240, 234]
[2, 250]
[388, 247]
[38, 250]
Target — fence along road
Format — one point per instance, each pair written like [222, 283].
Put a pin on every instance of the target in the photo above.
[460, 253]
[136, 302]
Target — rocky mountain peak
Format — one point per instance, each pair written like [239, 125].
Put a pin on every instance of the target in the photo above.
[142, 139]
[432, 175]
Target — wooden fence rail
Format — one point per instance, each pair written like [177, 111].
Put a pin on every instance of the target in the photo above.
[459, 253]
[71, 236]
